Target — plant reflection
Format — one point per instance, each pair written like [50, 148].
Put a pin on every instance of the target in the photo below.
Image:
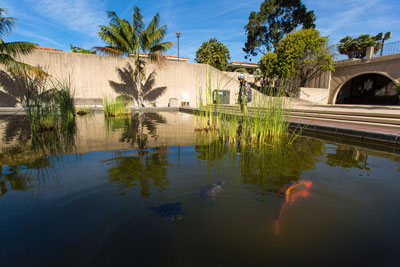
[281, 164]
[145, 170]
[271, 166]
[26, 165]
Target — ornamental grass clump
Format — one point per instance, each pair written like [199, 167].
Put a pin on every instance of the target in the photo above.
[265, 122]
[48, 103]
[116, 107]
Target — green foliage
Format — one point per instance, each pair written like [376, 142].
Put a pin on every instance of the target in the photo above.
[244, 70]
[268, 64]
[266, 121]
[357, 47]
[301, 54]
[132, 39]
[10, 51]
[77, 49]
[214, 53]
[48, 104]
[275, 19]
[115, 107]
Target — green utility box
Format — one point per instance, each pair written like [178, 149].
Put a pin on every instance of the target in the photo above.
[221, 96]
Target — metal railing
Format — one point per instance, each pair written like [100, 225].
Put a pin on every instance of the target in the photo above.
[388, 49]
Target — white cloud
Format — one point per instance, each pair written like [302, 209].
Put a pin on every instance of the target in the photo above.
[38, 38]
[83, 16]
[355, 17]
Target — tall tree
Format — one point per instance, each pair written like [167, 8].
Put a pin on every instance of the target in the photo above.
[275, 19]
[214, 53]
[357, 47]
[301, 54]
[12, 50]
[133, 39]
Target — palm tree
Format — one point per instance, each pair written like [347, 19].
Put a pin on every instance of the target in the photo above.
[131, 40]
[9, 51]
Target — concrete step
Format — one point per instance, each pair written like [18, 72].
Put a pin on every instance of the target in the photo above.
[382, 119]
[369, 119]
[345, 122]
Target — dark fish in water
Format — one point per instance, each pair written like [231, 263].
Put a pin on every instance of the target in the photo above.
[212, 190]
[170, 211]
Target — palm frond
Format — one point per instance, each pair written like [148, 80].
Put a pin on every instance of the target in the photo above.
[112, 35]
[137, 21]
[113, 17]
[23, 69]
[108, 50]
[17, 48]
[156, 36]
[7, 24]
[162, 47]
[158, 58]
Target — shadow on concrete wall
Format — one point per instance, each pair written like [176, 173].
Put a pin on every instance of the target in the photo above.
[128, 89]
[14, 87]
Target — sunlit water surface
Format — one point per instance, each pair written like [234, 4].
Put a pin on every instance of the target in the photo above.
[147, 190]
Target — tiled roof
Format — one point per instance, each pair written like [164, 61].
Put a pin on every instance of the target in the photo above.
[49, 49]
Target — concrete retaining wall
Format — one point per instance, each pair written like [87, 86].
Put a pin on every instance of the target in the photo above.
[315, 95]
[90, 76]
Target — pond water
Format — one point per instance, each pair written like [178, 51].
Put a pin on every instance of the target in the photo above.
[148, 190]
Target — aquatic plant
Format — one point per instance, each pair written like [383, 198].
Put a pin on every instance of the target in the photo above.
[48, 103]
[115, 107]
[264, 121]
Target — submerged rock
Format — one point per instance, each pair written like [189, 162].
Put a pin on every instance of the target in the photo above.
[170, 211]
[212, 190]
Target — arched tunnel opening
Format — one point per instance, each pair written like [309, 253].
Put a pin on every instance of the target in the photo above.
[369, 89]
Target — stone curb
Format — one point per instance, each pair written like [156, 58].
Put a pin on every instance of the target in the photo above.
[346, 132]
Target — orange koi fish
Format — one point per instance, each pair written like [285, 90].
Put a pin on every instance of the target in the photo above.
[293, 192]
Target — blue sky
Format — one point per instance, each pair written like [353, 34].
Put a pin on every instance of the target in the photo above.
[58, 23]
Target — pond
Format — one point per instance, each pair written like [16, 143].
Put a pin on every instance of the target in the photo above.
[149, 190]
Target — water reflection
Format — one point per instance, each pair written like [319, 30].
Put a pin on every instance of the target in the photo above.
[145, 169]
[28, 163]
[15, 179]
[347, 157]
[136, 128]
[17, 128]
[280, 165]
[271, 166]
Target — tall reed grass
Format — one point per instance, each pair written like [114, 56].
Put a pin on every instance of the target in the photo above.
[115, 107]
[264, 121]
[48, 103]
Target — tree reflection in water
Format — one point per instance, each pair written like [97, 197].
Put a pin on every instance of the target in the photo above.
[347, 157]
[136, 128]
[143, 169]
[147, 167]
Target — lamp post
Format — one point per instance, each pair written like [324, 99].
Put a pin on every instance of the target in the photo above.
[178, 34]
[382, 37]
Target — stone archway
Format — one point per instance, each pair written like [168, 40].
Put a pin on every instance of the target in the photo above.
[368, 89]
